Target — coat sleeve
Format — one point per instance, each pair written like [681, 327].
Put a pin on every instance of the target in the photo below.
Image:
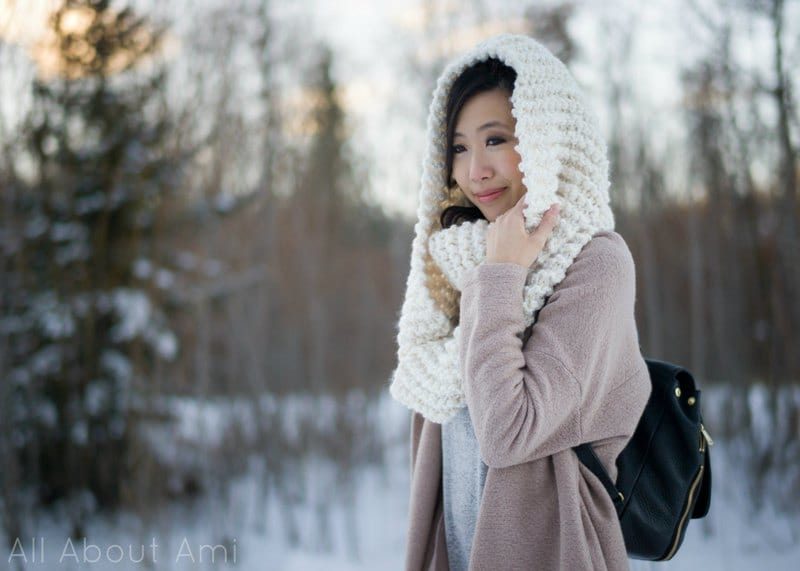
[533, 401]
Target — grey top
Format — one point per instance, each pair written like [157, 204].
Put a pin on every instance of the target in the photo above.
[463, 477]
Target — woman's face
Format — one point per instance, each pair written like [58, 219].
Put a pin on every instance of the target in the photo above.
[485, 164]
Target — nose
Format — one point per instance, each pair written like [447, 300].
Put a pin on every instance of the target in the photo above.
[479, 167]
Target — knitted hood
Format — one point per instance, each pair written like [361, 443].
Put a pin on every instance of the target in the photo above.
[563, 160]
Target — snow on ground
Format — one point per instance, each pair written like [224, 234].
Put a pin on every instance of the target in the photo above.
[252, 525]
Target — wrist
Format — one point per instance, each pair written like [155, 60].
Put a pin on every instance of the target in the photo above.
[504, 261]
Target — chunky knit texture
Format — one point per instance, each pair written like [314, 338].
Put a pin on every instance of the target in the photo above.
[563, 160]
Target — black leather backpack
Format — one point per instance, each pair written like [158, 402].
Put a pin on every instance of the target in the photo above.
[664, 473]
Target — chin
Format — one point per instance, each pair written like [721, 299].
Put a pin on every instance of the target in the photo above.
[492, 216]
[493, 213]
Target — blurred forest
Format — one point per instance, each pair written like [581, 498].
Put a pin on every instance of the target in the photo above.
[184, 213]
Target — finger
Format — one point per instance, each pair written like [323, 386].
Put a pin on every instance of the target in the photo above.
[552, 212]
[552, 215]
[548, 222]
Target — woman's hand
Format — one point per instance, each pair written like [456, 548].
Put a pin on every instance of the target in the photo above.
[507, 240]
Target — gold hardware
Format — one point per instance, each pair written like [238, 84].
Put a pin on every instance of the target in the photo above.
[686, 508]
[621, 497]
[691, 401]
[706, 435]
[678, 392]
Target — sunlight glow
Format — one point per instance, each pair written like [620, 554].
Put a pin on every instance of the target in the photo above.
[29, 25]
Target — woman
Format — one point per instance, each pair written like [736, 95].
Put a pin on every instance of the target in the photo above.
[515, 346]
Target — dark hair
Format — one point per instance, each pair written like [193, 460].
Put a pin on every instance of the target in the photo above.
[479, 77]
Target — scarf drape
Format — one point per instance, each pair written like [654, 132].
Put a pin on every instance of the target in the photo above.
[563, 160]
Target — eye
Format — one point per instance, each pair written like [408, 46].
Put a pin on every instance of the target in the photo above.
[458, 149]
[493, 141]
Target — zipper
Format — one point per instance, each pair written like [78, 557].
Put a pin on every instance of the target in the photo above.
[684, 518]
[705, 438]
[706, 435]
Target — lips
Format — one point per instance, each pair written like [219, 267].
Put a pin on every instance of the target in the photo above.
[489, 195]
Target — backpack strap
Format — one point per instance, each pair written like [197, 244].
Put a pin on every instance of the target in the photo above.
[589, 459]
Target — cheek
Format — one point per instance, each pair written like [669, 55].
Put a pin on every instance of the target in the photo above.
[511, 166]
[459, 172]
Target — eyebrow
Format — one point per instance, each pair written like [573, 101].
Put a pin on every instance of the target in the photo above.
[485, 126]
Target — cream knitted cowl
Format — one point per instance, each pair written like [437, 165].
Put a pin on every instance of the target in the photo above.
[563, 160]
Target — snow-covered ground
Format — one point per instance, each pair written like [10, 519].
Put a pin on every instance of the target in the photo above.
[335, 522]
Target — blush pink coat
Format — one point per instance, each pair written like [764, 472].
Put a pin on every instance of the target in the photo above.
[580, 377]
